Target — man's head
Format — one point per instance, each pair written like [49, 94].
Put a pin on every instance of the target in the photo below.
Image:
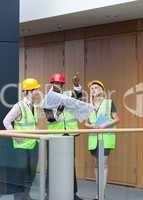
[58, 81]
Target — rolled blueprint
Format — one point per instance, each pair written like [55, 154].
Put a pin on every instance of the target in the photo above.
[79, 109]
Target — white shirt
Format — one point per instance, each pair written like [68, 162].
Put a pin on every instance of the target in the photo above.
[14, 113]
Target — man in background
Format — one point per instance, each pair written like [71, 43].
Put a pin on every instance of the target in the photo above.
[60, 118]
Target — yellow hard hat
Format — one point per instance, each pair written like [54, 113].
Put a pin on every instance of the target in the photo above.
[96, 82]
[30, 84]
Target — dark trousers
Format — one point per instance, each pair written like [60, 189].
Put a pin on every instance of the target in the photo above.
[25, 175]
[75, 181]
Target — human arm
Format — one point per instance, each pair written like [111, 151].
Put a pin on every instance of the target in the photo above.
[77, 88]
[11, 116]
[51, 116]
[88, 124]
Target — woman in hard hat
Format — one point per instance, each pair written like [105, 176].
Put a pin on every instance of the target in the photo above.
[104, 116]
[23, 116]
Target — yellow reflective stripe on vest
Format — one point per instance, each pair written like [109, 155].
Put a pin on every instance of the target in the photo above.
[62, 120]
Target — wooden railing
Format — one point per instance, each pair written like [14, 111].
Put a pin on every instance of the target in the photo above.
[43, 133]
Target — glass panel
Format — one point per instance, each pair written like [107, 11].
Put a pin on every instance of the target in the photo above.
[19, 177]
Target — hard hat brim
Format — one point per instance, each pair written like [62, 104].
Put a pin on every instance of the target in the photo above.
[36, 87]
[96, 82]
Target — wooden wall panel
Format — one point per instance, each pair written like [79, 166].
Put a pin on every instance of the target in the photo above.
[53, 60]
[21, 63]
[110, 29]
[112, 59]
[140, 25]
[41, 62]
[74, 62]
[75, 34]
[140, 136]
[34, 63]
[85, 32]
[43, 39]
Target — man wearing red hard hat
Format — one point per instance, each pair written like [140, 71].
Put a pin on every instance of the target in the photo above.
[60, 118]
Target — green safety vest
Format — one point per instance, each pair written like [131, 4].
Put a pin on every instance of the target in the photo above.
[109, 138]
[65, 121]
[28, 122]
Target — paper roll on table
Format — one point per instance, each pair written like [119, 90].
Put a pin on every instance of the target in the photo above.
[79, 109]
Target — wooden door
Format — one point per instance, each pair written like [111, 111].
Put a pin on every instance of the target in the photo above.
[140, 93]
[113, 61]
[74, 62]
[41, 63]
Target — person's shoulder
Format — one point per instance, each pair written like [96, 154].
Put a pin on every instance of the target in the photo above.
[19, 103]
[16, 105]
[109, 101]
[15, 109]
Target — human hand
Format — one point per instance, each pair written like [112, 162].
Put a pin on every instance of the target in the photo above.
[76, 79]
[60, 110]
[95, 126]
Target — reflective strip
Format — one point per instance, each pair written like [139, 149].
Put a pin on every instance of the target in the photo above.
[62, 120]
[25, 114]
[101, 134]
[19, 140]
[24, 124]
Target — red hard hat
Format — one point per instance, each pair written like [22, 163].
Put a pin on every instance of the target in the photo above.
[57, 78]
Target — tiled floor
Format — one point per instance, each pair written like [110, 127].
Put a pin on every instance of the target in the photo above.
[113, 192]
[87, 192]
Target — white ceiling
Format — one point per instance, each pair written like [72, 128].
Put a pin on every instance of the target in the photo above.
[103, 15]
[40, 9]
